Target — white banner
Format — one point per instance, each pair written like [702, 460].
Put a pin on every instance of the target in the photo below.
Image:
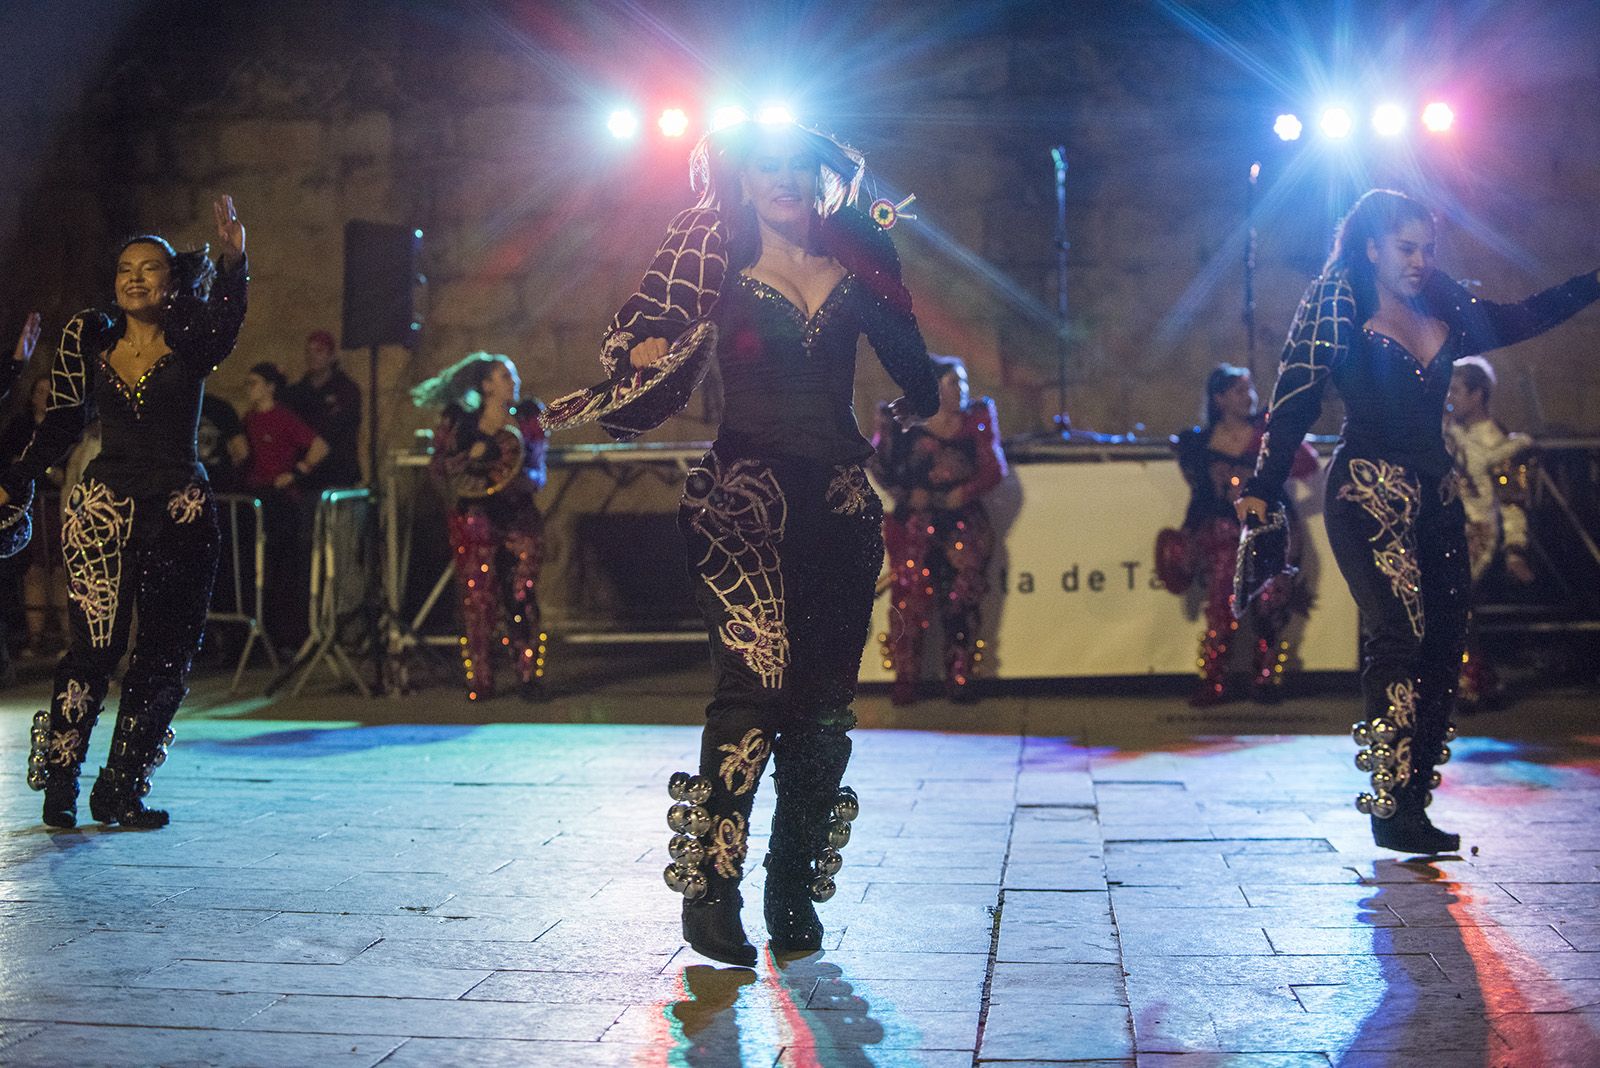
[1073, 590]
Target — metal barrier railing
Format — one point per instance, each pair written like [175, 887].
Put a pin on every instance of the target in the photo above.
[248, 613]
[340, 530]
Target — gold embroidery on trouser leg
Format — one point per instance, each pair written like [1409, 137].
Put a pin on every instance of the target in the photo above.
[728, 846]
[186, 505]
[740, 510]
[1402, 697]
[96, 527]
[61, 748]
[1386, 493]
[744, 761]
[74, 700]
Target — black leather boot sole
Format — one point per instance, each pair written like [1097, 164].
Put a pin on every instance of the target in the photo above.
[1415, 835]
[61, 803]
[713, 929]
[108, 804]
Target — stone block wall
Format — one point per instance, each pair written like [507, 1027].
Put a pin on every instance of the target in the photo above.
[481, 125]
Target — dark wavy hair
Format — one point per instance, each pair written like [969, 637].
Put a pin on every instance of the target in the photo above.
[192, 270]
[1220, 380]
[271, 374]
[461, 384]
[1377, 214]
[719, 157]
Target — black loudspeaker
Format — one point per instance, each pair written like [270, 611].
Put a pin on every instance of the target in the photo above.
[380, 274]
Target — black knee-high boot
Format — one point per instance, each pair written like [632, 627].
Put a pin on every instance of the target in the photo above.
[138, 747]
[710, 819]
[60, 740]
[810, 824]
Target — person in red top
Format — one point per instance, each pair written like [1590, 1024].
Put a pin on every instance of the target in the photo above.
[284, 450]
[939, 537]
[283, 447]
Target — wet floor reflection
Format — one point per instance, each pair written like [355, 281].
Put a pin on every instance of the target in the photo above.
[800, 1004]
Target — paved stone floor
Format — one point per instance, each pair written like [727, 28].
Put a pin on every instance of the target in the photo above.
[1043, 879]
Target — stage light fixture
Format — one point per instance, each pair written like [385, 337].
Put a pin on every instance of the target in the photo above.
[1389, 120]
[623, 124]
[673, 122]
[1288, 127]
[1336, 123]
[1438, 116]
[775, 114]
[728, 115]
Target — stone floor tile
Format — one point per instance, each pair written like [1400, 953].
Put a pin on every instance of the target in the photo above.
[116, 1047]
[533, 1053]
[395, 982]
[418, 1018]
[1062, 984]
[1039, 1029]
[1231, 1060]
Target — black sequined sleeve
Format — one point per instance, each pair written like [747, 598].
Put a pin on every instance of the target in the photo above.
[68, 409]
[681, 286]
[9, 370]
[1318, 340]
[864, 248]
[203, 333]
[1488, 325]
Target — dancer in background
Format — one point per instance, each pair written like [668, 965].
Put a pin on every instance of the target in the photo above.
[14, 521]
[488, 455]
[1497, 529]
[1386, 327]
[140, 529]
[939, 537]
[1215, 460]
[785, 534]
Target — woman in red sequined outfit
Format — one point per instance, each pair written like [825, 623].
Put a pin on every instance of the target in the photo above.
[939, 537]
[488, 455]
[1216, 459]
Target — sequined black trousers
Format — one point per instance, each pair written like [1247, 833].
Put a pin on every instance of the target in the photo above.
[1400, 543]
[784, 556]
[153, 555]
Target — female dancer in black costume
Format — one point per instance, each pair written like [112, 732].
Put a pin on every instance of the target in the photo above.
[785, 535]
[140, 527]
[1215, 459]
[488, 456]
[1386, 326]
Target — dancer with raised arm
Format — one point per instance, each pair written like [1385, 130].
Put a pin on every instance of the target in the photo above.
[140, 527]
[1385, 326]
[779, 271]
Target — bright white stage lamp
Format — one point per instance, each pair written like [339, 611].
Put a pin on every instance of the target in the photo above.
[1438, 117]
[623, 124]
[775, 114]
[673, 122]
[1389, 120]
[1336, 123]
[1288, 127]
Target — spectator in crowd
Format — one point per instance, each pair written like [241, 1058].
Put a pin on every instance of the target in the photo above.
[284, 456]
[330, 403]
